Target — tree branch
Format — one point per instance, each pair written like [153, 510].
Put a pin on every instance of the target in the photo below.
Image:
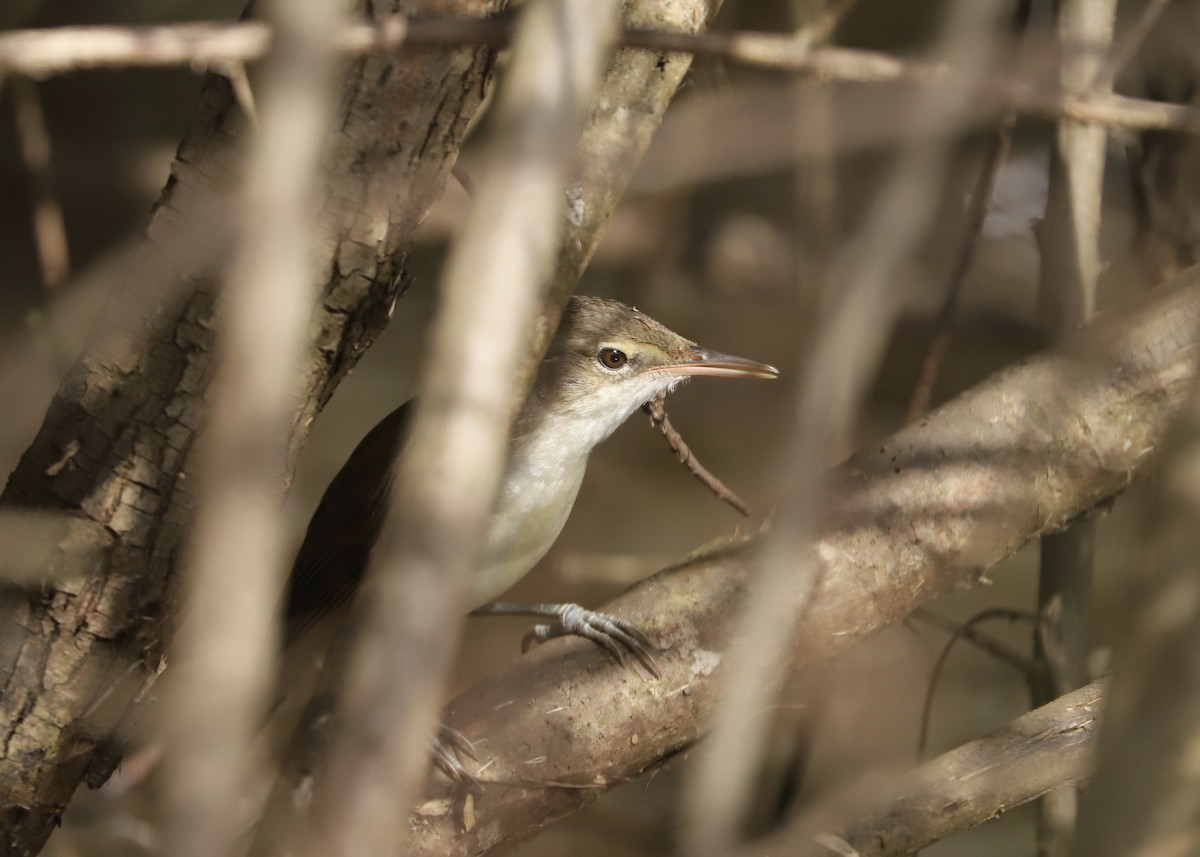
[40, 53]
[1050, 746]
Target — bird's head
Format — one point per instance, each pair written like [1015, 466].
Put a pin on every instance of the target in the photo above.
[608, 359]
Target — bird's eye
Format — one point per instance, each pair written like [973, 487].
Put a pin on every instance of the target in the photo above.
[611, 358]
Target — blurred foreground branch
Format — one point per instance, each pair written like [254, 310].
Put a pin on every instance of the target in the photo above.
[223, 653]
[404, 627]
[854, 330]
[927, 511]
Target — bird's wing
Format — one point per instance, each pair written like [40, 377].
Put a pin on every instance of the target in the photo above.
[333, 556]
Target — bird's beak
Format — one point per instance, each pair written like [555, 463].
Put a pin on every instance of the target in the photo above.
[701, 361]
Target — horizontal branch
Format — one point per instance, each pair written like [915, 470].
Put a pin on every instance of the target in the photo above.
[46, 52]
[1050, 746]
[924, 513]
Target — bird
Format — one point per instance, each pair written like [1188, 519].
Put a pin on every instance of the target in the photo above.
[605, 362]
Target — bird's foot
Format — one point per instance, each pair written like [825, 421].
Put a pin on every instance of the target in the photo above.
[616, 636]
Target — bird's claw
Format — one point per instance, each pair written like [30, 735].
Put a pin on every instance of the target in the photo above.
[616, 636]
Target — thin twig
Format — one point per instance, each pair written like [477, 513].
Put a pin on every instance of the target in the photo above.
[967, 631]
[49, 228]
[985, 187]
[463, 178]
[42, 53]
[657, 410]
[944, 323]
[981, 641]
[821, 27]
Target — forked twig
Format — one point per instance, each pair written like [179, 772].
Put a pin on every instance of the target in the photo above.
[967, 631]
[657, 410]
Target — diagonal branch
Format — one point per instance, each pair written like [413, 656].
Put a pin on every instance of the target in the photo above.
[1051, 746]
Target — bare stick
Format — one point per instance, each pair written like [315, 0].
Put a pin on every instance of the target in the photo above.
[1127, 46]
[242, 91]
[49, 230]
[1044, 749]
[657, 410]
[943, 325]
[39, 53]
[983, 642]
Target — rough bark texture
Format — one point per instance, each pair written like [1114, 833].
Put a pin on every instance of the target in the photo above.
[116, 444]
[928, 510]
[1050, 746]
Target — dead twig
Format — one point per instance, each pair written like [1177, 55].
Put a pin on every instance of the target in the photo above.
[42, 53]
[657, 410]
[967, 633]
[943, 325]
[1027, 666]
